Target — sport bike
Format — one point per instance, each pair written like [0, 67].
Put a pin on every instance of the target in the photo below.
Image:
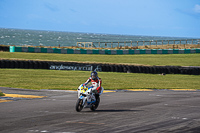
[86, 97]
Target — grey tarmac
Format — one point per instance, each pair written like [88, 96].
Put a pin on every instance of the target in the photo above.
[121, 111]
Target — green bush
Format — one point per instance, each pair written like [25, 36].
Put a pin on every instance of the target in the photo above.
[1, 93]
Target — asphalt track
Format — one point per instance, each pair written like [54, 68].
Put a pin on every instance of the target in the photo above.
[122, 111]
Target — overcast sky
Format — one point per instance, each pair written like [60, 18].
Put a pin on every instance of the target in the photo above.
[177, 18]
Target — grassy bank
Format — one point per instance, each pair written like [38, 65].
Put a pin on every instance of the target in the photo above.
[54, 79]
[170, 59]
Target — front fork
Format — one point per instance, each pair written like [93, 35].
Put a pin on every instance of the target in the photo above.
[84, 100]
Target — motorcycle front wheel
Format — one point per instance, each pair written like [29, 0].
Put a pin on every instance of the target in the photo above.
[79, 106]
[95, 106]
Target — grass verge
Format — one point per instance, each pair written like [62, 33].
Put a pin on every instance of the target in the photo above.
[54, 79]
[147, 59]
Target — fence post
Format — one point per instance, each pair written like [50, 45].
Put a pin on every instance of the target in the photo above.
[99, 44]
[180, 42]
[111, 44]
[131, 44]
[174, 42]
[143, 43]
[150, 43]
[124, 44]
[137, 43]
[162, 42]
[185, 43]
[105, 45]
[192, 41]
[156, 43]
[118, 45]
[84, 44]
[168, 42]
[77, 44]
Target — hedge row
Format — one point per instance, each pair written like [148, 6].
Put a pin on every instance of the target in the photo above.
[104, 67]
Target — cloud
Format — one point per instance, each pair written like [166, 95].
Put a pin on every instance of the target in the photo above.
[197, 8]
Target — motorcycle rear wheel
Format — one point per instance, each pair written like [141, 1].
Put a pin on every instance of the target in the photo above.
[79, 106]
[95, 106]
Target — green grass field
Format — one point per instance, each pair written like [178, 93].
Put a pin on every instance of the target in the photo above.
[55, 79]
[169, 59]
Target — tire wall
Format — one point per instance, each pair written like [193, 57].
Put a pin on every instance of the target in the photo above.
[4, 48]
[101, 67]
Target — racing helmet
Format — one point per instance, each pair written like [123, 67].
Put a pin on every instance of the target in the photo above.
[94, 75]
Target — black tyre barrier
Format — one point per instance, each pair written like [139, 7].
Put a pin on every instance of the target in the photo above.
[31, 66]
[4, 48]
[112, 67]
[21, 64]
[176, 71]
[143, 69]
[170, 70]
[162, 70]
[151, 70]
[139, 69]
[146, 69]
[40, 65]
[35, 65]
[1, 48]
[130, 70]
[133, 69]
[12, 64]
[26, 65]
[120, 68]
[7, 64]
[195, 71]
[107, 68]
[16, 64]
[104, 67]
[125, 69]
[136, 69]
[116, 68]
[44, 65]
[2, 63]
[198, 71]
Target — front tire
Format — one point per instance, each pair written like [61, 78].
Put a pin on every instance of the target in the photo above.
[79, 106]
[95, 106]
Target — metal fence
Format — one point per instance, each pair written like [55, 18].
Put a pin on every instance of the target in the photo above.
[136, 43]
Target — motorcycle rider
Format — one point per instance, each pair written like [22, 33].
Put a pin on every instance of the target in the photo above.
[95, 79]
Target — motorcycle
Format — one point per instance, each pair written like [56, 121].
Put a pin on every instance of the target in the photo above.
[86, 97]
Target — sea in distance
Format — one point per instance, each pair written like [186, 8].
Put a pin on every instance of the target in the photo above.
[19, 37]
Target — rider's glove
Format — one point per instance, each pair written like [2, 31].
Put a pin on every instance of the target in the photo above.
[98, 89]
